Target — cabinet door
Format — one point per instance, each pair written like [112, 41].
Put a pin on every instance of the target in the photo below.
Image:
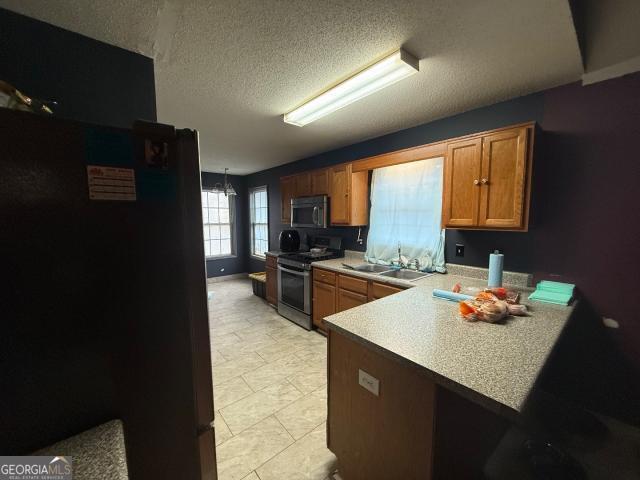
[340, 183]
[320, 182]
[302, 185]
[324, 303]
[287, 188]
[461, 192]
[385, 436]
[502, 183]
[380, 290]
[353, 284]
[272, 285]
[346, 300]
[324, 276]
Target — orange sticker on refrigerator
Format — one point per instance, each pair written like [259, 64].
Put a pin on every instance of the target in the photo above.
[111, 183]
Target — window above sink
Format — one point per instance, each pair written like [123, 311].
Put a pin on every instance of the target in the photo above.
[406, 206]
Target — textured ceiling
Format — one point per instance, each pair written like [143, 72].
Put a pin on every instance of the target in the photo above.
[610, 32]
[230, 69]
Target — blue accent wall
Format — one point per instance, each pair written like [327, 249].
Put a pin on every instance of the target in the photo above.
[91, 81]
[478, 245]
[236, 263]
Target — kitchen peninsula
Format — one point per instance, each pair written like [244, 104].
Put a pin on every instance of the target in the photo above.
[411, 383]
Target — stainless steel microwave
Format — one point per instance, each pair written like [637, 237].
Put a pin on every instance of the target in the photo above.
[310, 212]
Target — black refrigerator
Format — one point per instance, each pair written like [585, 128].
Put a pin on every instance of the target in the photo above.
[103, 301]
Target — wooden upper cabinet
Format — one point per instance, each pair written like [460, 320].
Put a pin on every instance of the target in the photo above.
[302, 185]
[320, 182]
[503, 179]
[462, 183]
[487, 181]
[339, 194]
[287, 192]
[293, 186]
[348, 193]
[349, 202]
[486, 184]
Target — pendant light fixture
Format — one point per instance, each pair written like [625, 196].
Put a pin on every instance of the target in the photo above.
[226, 188]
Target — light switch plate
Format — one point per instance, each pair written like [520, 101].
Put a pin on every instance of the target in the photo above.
[369, 382]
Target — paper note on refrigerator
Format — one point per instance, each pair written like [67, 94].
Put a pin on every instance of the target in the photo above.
[111, 183]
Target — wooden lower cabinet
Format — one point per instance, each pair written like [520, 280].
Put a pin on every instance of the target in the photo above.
[271, 268]
[337, 292]
[380, 437]
[380, 290]
[346, 299]
[324, 303]
[412, 430]
[272, 286]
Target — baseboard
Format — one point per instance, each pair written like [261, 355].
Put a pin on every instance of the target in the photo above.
[224, 278]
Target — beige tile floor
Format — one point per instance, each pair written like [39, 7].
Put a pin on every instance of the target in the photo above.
[270, 390]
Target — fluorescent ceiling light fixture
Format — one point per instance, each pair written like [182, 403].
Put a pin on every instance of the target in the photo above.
[375, 77]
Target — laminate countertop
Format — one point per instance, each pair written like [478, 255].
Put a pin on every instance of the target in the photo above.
[98, 453]
[493, 364]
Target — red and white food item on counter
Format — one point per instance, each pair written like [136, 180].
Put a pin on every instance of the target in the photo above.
[491, 305]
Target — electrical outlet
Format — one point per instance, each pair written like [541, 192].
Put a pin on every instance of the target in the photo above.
[368, 382]
[459, 250]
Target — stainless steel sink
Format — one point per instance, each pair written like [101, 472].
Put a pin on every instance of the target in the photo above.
[409, 275]
[371, 267]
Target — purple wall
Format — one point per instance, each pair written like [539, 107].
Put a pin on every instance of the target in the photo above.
[586, 209]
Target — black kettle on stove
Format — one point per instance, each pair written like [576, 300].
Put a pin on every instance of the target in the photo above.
[289, 241]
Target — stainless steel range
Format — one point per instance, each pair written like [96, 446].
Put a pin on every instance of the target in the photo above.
[294, 278]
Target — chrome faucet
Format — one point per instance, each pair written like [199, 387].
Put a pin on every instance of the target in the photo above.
[401, 264]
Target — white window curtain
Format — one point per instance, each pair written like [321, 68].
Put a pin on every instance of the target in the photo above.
[406, 206]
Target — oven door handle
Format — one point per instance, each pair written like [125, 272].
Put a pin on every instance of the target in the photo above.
[314, 216]
[303, 273]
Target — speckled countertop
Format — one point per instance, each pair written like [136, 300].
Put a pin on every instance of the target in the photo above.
[494, 364]
[98, 453]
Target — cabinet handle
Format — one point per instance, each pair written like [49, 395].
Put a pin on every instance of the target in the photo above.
[484, 181]
[476, 182]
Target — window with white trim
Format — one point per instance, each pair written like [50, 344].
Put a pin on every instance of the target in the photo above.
[217, 219]
[259, 209]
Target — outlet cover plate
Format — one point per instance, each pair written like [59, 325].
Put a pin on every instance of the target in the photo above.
[369, 382]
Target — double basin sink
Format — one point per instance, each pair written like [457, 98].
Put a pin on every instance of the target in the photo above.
[386, 271]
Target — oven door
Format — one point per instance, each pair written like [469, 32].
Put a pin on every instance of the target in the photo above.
[294, 288]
